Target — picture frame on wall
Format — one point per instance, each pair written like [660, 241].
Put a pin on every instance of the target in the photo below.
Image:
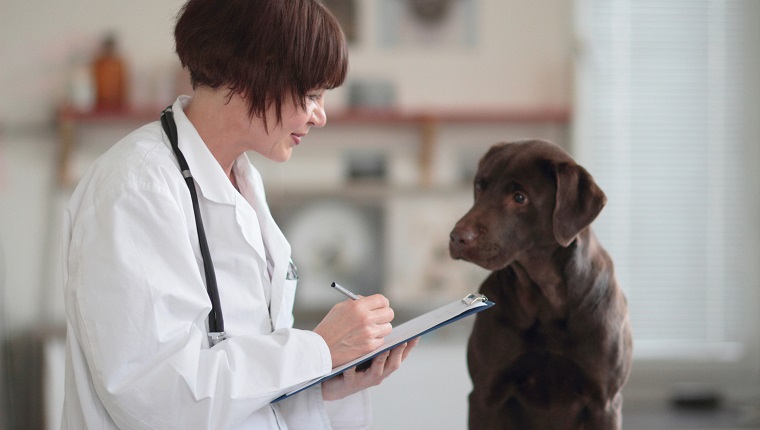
[427, 23]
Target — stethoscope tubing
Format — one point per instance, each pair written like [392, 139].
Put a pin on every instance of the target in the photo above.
[216, 319]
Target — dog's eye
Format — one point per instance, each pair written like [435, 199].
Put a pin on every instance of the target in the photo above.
[520, 198]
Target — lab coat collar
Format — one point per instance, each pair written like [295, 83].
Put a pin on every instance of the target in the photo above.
[209, 176]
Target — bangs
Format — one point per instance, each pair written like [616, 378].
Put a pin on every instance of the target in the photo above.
[321, 53]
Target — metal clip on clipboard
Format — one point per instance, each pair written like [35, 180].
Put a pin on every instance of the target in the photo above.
[474, 297]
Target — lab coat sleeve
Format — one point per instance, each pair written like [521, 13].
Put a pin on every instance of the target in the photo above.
[351, 413]
[137, 304]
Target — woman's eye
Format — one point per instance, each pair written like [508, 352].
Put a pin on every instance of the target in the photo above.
[314, 97]
[520, 198]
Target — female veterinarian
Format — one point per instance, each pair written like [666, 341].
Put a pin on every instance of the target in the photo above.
[171, 226]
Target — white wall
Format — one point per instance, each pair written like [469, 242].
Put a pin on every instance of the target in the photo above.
[522, 58]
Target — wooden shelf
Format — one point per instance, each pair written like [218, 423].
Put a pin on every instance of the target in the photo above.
[126, 114]
[354, 116]
[464, 115]
[427, 120]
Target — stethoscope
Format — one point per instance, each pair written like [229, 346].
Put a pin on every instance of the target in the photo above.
[216, 332]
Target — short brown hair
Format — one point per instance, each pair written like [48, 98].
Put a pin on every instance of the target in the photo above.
[265, 50]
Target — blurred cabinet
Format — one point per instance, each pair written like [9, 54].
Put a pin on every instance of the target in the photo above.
[34, 361]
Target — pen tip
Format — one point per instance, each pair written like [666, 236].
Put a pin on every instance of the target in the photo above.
[332, 284]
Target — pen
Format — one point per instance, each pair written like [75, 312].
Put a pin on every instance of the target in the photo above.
[346, 292]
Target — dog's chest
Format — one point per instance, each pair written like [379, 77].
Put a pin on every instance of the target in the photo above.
[547, 335]
[540, 313]
[527, 323]
[542, 350]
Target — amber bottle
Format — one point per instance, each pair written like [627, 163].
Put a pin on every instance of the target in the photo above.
[110, 77]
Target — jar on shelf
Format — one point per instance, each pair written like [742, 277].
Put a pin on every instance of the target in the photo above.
[110, 76]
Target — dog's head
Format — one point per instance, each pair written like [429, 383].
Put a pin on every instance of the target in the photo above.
[529, 196]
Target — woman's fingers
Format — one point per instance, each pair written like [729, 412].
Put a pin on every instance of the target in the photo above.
[353, 380]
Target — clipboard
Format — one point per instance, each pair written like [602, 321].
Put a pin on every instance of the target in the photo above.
[418, 326]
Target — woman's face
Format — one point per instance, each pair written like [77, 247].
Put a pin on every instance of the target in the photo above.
[277, 144]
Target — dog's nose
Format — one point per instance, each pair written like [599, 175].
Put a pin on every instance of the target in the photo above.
[463, 236]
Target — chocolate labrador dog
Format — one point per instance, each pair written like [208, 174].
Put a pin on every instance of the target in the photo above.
[556, 349]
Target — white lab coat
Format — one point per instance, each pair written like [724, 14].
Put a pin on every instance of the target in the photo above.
[137, 306]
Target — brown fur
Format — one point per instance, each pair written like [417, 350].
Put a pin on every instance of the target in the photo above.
[555, 351]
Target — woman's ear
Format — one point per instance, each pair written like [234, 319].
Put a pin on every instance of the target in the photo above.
[578, 202]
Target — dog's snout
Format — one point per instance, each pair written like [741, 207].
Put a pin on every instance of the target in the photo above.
[462, 241]
[463, 236]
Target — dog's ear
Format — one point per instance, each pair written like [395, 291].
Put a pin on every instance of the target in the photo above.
[578, 202]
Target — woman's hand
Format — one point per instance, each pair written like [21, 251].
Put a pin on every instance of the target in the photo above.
[352, 381]
[353, 328]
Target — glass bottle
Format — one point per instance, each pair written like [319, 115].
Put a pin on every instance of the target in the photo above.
[110, 76]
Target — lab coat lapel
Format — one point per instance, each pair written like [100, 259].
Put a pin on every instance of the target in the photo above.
[280, 307]
[282, 291]
[281, 301]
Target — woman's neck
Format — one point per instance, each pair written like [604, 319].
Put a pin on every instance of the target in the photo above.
[211, 115]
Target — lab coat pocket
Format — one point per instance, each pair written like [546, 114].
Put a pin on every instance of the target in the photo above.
[285, 317]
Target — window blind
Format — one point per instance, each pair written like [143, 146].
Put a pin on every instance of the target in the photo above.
[658, 124]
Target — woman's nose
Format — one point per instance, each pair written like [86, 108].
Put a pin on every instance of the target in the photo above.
[318, 116]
